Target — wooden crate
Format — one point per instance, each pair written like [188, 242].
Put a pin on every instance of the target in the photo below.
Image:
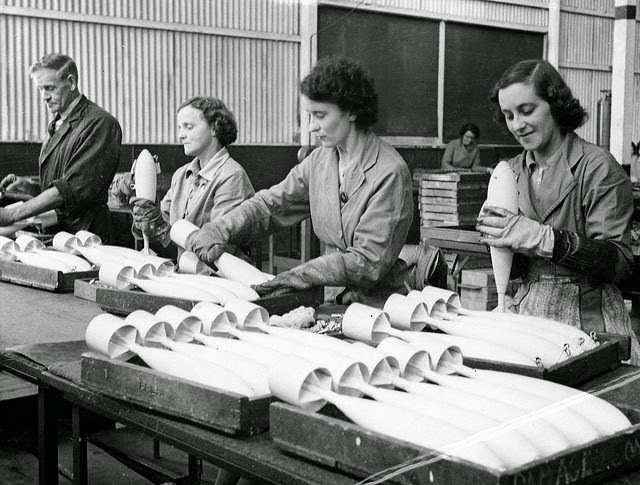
[452, 207]
[329, 439]
[482, 277]
[455, 176]
[123, 302]
[457, 194]
[44, 279]
[578, 369]
[474, 297]
[212, 408]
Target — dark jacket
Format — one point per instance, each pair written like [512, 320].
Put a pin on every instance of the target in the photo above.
[80, 160]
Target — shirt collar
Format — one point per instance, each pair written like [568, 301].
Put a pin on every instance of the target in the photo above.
[65, 114]
[210, 167]
[531, 163]
[356, 157]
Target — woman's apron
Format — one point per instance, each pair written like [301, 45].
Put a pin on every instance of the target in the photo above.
[553, 292]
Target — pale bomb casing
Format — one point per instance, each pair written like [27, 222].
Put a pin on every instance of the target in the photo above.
[502, 192]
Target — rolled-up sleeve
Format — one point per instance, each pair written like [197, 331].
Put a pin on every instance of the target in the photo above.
[269, 210]
[90, 166]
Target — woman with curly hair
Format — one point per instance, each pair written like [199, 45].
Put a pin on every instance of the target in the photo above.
[572, 235]
[210, 185]
[462, 153]
[355, 187]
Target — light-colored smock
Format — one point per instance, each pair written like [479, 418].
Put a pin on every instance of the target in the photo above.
[583, 190]
[202, 194]
[457, 157]
[362, 235]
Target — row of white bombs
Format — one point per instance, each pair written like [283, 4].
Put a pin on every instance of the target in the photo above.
[517, 339]
[498, 420]
[123, 267]
[504, 337]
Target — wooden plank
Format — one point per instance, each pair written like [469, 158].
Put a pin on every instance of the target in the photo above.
[12, 387]
[482, 277]
[45, 279]
[459, 219]
[123, 302]
[85, 289]
[454, 208]
[575, 370]
[464, 194]
[330, 439]
[456, 176]
[454, 186]
[214, 408]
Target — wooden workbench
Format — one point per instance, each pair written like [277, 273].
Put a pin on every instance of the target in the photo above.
[33, 318]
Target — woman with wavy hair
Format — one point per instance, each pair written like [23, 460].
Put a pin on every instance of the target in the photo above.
[210, 185]
[355, 187]
[572, 233]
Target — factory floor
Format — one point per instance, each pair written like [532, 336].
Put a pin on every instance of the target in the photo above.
[19, 463]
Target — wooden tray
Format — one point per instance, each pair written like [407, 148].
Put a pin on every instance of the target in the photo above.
[212, 408]
[605, 357]
[45, 279]
[123, 302]
[330, 439]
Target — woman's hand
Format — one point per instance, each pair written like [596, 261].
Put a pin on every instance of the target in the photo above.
[207, 243]
[284, 282]
[504, 229]
[148, 219]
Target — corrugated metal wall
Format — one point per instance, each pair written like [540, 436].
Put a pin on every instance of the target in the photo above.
[141, 71]
[586, 56]
[140, 59]
[533, 15]
[279, 16]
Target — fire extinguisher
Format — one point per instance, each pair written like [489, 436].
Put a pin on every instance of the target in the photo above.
[604, 119]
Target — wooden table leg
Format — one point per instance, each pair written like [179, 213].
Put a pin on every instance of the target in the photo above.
[195, 469]
[79, 436]
[47, 437]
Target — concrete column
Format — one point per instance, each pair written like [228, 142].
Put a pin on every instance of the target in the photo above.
[553, 35]
[624, 34]
[308, 56]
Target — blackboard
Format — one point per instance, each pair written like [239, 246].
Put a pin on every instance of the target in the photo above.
[475, 58]
[401, 53]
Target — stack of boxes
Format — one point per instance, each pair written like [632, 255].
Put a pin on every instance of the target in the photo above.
[451, 198]
[478, 289]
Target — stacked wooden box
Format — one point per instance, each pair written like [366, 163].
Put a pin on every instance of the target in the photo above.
[451, 198]
[478, 289]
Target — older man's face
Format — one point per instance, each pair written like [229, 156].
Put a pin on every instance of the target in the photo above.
[56, 93]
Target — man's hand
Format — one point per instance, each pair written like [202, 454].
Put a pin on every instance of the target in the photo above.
[516, 232]
[12, 183]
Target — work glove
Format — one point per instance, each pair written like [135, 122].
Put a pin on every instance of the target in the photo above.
[148, 220]
[285, 282]
[122, 188]
[208, 243]
[504, 229]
